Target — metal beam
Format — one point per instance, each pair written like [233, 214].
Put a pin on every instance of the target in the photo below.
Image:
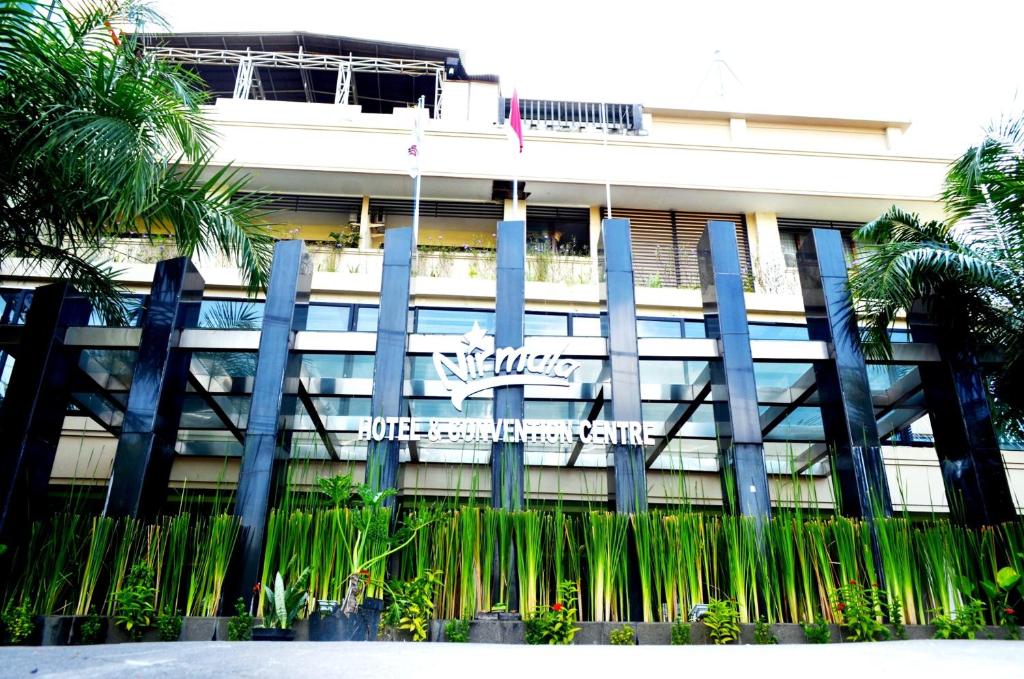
[302, 60]
[595, 410]
[679, 416]
[212, 404]
[772, 417]
[318, 423]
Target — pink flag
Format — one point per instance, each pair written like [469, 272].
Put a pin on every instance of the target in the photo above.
[515, 121]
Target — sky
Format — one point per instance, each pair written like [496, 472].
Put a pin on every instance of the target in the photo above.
[949, 67]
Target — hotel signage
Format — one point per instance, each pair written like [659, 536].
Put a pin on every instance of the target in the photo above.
[473, 368]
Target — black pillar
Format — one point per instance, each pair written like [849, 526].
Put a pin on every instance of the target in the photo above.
[145, 449]
[32, 414]
[977, 488]
[509, 313]
[628, 480]
[847, 413]
[389, 364]
[287, 297]
[737, 420]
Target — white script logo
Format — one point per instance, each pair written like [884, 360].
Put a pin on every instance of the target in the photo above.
[476, 368]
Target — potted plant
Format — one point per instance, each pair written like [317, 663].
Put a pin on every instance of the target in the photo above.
[282, 605]
[370, 542]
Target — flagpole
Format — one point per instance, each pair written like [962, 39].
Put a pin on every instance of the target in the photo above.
[416, 179]
[607, 180]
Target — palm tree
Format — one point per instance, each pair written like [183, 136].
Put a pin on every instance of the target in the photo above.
[967, 272]
[99, 140]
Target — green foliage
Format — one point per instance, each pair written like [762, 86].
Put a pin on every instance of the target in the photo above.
[965, 623]
[556, 624]
[282, 605]
[457, 631]
[338, 489]
[681, 633]
[859, 611]
[135, 602]
[103, 139]
[349, 238]
[18, 622]
[722, 621]
[92, 628]
[240, 624]
[1008, 584]
[817, 632]
[763, 633]
[169, 627]
[412, 604]
[622, 636]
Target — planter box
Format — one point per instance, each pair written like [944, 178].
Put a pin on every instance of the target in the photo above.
[66, 630]
[272, 634]
[660, 633]
[360, 626]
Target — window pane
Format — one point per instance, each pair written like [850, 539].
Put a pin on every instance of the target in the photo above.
[588, 326]
[366, 319]
[547, 324]
[328, 317]
[649, 328]
[452, 321]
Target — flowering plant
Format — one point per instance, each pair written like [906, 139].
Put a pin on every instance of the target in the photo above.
[1001, 591]
[555, 624]
[859, 611]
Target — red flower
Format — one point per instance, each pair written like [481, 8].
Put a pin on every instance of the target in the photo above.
[364, 573]
[853, 582]
[1009, 611]
[557, 607]
[256, 588]
[841, 607]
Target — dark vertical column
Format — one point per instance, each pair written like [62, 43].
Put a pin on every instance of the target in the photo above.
[287, 296]
[32, 414]
[509, 314]
[846, 409]
[977, 488]
[389, 364]
[737, 420]
[145, 450]
[629, 483]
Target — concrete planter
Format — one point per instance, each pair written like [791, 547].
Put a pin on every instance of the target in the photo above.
[66, 630]
[660, 633]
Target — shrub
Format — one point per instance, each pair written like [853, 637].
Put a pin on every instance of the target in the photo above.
[18, 621]
[240, 624]
[135, 602]
[963, 624]
[722, 621]
[412, 604]
[92, 628]
[623, 636]
[681, 633]
[860, 613]
[457, 631]
[283, 604]
[818, 632]
[169, 627]
[763, 634]
[555, 625]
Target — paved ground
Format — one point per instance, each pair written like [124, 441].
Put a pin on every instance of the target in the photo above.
[901, 660]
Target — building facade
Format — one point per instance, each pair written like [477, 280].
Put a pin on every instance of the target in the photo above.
[688, 344]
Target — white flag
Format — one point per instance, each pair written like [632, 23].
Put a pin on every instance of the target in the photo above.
[416, 143]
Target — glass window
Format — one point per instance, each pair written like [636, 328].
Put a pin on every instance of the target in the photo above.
[452, 321]
[651, 328]
[695, 329]
[328, 317]
[547, 324]
[366, 319]
[230, 314]
[772, 331]
[589, 326]
[338, 366]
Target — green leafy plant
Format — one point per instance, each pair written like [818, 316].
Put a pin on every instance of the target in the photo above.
[412, 604]
[337, 489]
[169, 627]
[91, 629]
[282, 604]
[18, 622]
[555, 625]
[349, 238]
[240, 624]
[135, 602]
[965, 623]
[763, 633]
[457, 631]
[859, 610]
[1008, 583]
[722, 621]
[681, 633]
[623, 636]
[817, 632]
